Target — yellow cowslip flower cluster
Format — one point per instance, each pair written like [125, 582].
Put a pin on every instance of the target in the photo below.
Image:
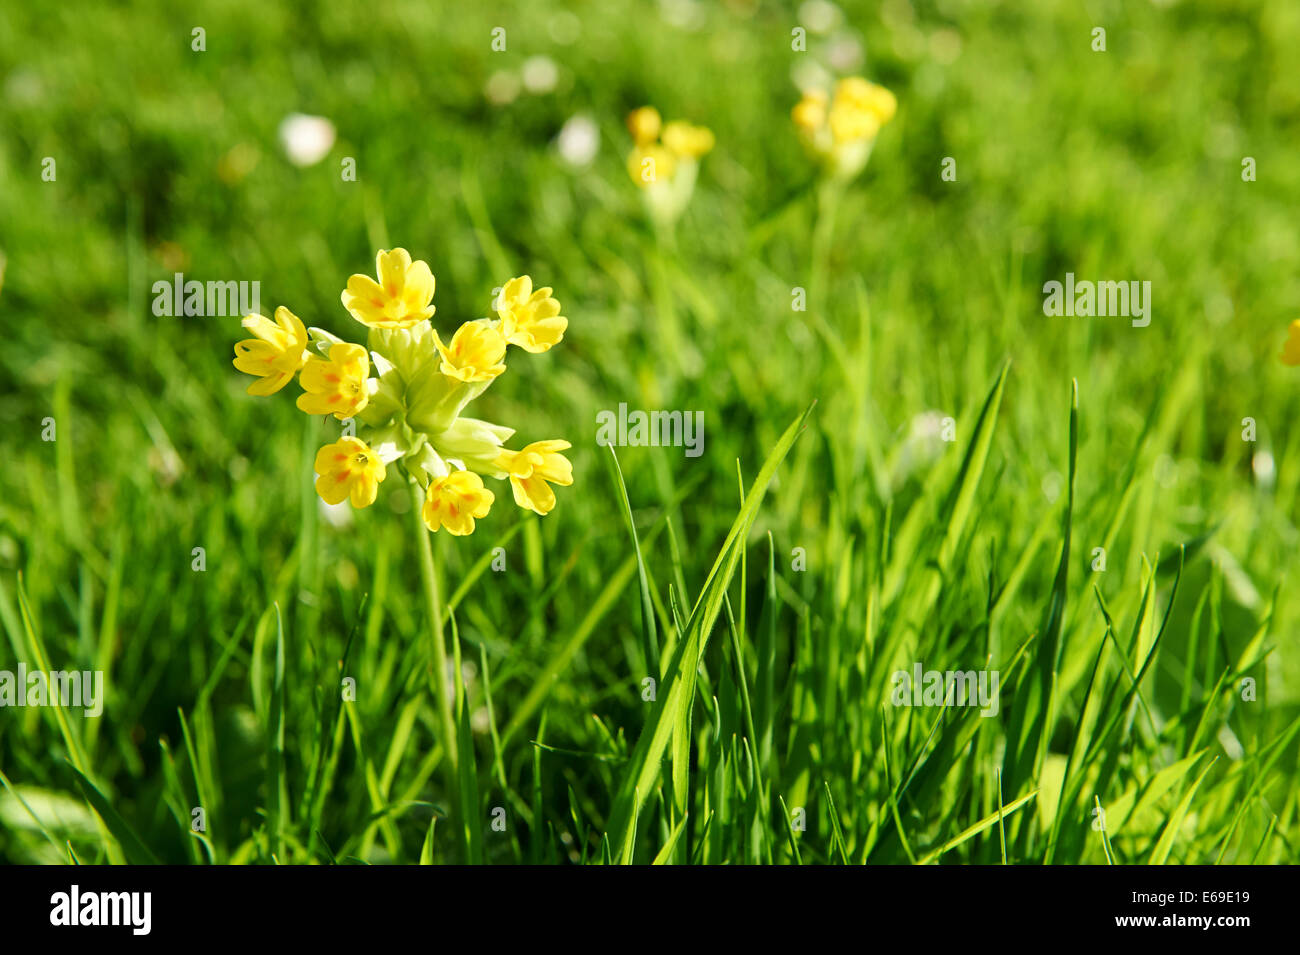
[664, 160]
[839, 131]
[411, 408]
[1291, 349]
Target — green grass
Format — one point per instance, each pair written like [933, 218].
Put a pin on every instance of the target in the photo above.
[827, 537]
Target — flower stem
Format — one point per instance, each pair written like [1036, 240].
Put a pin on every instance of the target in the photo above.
[829, 194]
[687, 360]
[433, 607]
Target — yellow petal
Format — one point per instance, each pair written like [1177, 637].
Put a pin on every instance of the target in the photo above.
[265, 329]
[364, 490]
[391, 268]
[1291, 350]
[292, 325]
[644, 124]
[270, 384]
[686, 140]
[420, 285]
[533, 494]
[810, 113]
[255, 357]
[321, 404]
[331, 489]
[650, 164]
[517, 291]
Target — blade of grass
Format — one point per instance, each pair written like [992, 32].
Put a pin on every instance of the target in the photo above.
[678, 686]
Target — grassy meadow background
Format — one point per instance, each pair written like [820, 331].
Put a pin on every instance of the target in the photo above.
[1120, 690]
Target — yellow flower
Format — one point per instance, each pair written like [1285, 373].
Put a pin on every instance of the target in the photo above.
[401, 298]
[348, 467]
[810, 112]
[412, 409]
[1291, 350]
[650, 163]
[868, 97]
[850, 123]
[530, 318]
[475, 352]
[644, 124]
[454, 501]
[531, 469]
[683, 139]
[338, 385]
[664, 162]
[840, 130]
[856, 112]
[277, 352]
[860, 109]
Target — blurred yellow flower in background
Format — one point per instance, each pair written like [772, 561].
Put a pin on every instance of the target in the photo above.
[664, 161]
[682, 139]
[839, 131]
[853, 92]
[651, 163]
[644, 124]
[1291, 350]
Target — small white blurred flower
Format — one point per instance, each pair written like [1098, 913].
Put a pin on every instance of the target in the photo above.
[845, 53]
[1232, 747]
[819, 16]
[1053, 483]
[579, 141]
[807, 74]
[501, 87]
[921, 445]
[540, 74]
[23, 87]
[683, 14]
[306, 139]
[1264, 467]
[1166, 471]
